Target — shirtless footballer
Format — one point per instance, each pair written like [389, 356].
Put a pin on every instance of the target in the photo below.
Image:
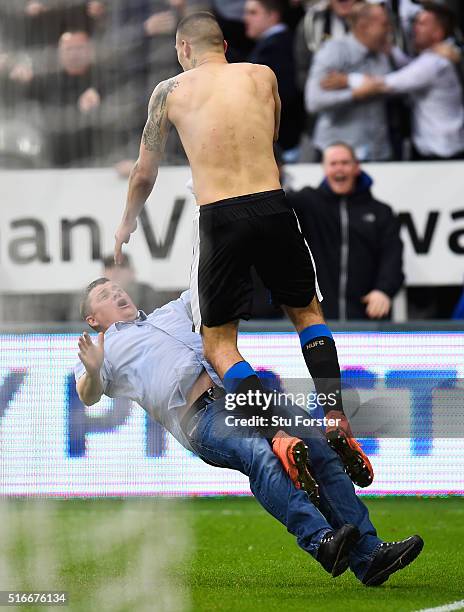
[227, 117]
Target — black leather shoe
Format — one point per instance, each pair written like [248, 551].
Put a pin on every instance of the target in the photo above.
[334, 549]
[391, 557]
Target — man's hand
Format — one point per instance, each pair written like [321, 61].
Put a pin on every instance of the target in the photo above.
[160, 23]
[91, 354]
[34, 8]
[89, 100]
[21, 73]
[448, 51]
[145, 171]
[371, 86]
[122, 236]
[378, 304]
[335, 80]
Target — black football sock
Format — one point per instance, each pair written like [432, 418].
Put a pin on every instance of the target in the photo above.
[320, 355]
[241, 379]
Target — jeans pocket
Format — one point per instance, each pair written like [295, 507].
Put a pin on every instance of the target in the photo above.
[193, 427]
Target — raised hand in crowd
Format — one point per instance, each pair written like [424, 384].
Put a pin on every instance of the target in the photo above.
[89, 100]
[164, 22]
[21, 73]
[35, 8]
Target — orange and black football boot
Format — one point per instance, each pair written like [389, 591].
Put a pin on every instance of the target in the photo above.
[340, 438]
[293, 455]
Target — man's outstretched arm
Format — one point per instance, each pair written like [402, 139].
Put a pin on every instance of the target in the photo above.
[145, 171]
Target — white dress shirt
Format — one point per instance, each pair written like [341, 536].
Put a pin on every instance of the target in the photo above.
[155, 362]
[361, 124]
[437, 97]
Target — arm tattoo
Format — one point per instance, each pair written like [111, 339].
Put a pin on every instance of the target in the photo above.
[154, 133]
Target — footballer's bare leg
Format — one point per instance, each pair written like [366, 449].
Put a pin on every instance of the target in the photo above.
[220, 348]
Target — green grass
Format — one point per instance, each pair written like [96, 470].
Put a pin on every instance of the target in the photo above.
[222, 554]
[244, 560]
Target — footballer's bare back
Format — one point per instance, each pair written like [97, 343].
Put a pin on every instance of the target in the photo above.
[227, 117]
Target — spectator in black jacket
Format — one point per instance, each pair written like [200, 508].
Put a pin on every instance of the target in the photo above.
[76, 103]
[354, 239]
[274, 48]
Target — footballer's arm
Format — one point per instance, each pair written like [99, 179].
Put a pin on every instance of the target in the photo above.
[145, 171]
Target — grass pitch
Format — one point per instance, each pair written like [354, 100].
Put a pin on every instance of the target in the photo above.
[223, 554]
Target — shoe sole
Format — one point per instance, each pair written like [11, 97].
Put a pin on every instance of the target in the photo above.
[299, 457]
[403, 561]
[353, 460]
[342, 560]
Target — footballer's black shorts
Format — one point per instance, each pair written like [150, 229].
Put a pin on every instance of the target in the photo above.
[232, 235]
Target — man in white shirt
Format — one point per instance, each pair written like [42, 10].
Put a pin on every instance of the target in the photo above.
[345, 116]
[158, 362]
[434, 85]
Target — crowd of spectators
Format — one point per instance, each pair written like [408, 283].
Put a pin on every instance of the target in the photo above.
[384, 77]
[384, 80]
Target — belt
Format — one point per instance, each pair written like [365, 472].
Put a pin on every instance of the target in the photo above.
[208, 397]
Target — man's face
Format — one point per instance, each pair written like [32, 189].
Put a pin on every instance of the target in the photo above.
[258, 19]
[109, 303]
[340, 169]
[427, 31]
[376, 29]
[342, 8]
[75, 52]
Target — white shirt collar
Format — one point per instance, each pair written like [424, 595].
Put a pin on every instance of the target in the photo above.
[118, 325]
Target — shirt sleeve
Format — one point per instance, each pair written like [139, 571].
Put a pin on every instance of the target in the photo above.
[400, 58]
[355, 79]
[326, 60]
[417, 75]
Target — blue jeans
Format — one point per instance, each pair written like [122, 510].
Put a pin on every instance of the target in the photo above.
[248, 452]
